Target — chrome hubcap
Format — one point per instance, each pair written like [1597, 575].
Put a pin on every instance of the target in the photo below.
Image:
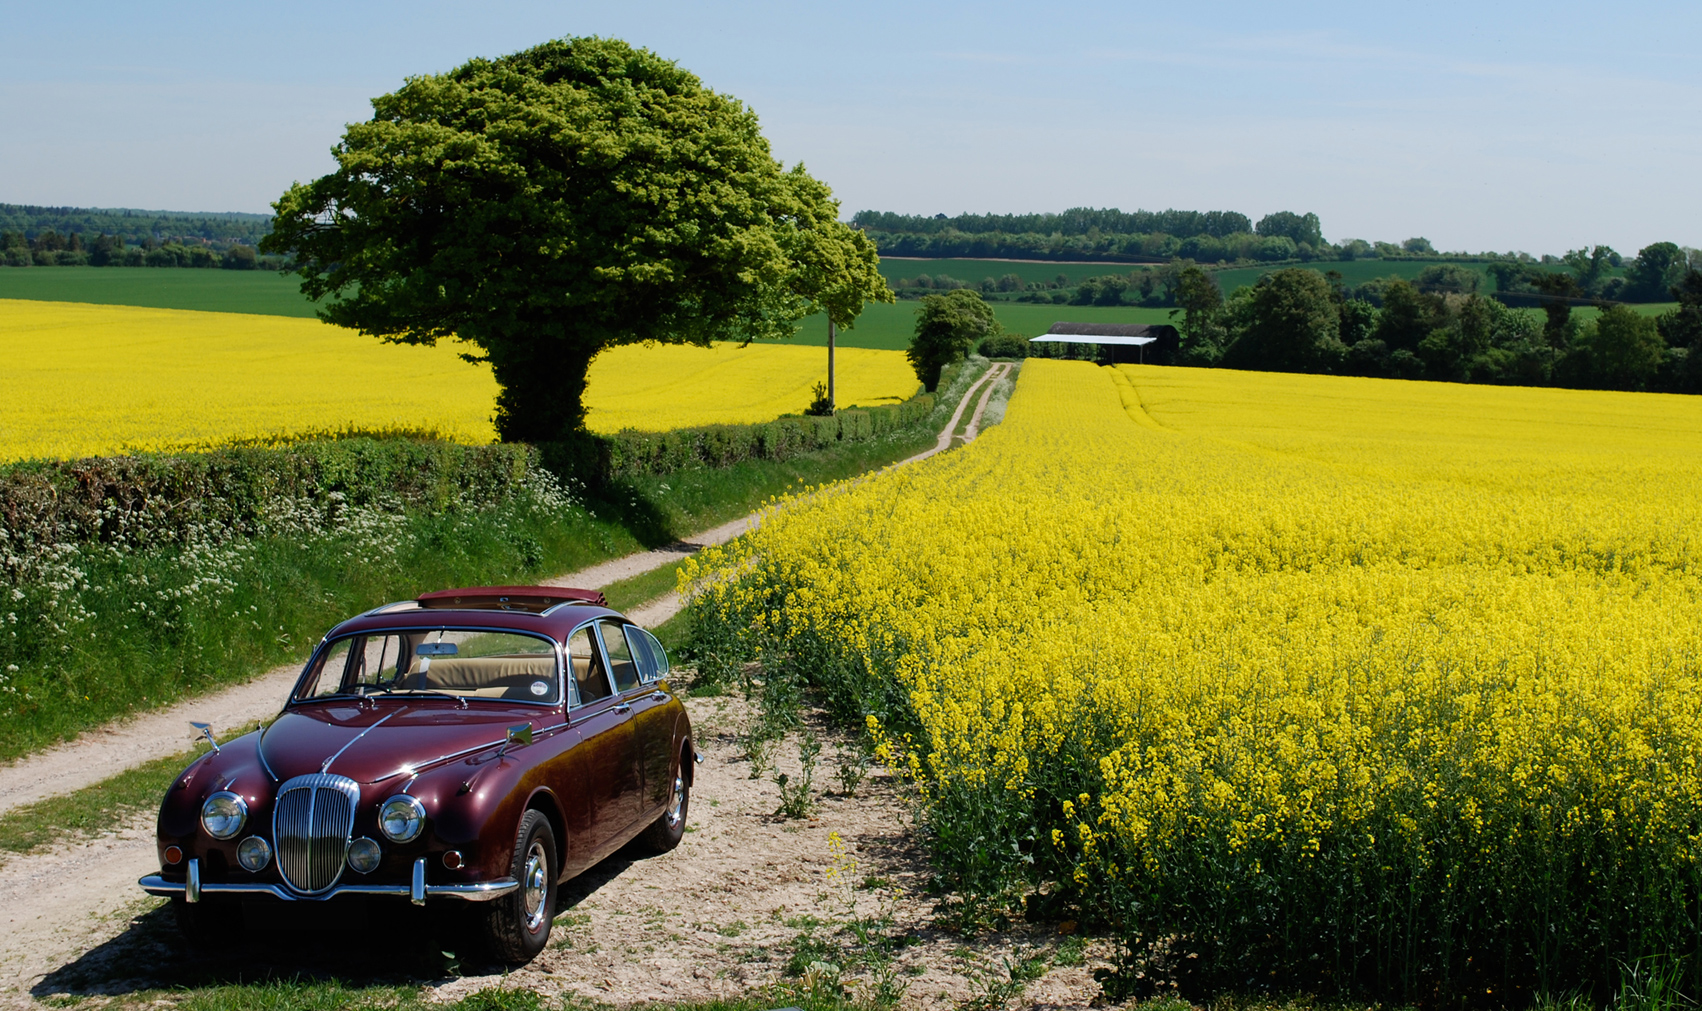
[535, 881]
[677, 802]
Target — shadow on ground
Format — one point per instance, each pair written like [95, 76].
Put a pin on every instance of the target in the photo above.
[361, 944]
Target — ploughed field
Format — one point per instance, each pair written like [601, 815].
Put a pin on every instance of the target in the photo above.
[1295, 682]
[85, 379]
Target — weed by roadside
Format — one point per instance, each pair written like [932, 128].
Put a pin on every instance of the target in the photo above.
[796, 798]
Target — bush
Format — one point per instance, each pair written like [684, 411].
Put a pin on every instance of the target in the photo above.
[630, 453]
[145, 501]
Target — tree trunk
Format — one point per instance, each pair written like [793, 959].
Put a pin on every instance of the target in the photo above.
[541, 385]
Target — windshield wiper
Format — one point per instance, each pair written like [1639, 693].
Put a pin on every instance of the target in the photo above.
[417, 691]
[460, 700]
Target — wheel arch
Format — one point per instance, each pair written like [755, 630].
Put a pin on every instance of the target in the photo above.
[546, 802]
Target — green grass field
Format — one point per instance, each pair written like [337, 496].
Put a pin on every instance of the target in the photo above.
[891, 326]
[1352, 272]
[885, 327]
[255, 291]
[974, 270]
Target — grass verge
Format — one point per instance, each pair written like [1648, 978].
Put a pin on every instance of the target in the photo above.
[92, 810]
[626, 594]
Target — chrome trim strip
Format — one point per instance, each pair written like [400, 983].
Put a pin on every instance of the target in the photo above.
[476, 891]
[417, 890]
[260, 751]
[192, 887]
[381, 608]
[414, 767]
[339, 753]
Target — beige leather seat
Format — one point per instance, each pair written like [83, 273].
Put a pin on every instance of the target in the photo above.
[485, 676]
[593, 683]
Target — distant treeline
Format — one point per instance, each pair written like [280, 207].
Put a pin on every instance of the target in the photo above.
[1227, 238]
[1085, 233]
[1439, 327]
[1075, 221]
[50, 249]
[134, 226]
[96, 237]
[1582, 277]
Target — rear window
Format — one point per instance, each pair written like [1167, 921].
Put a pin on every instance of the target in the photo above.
[464, 663]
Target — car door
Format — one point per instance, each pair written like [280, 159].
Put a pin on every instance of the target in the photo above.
[609, 769]
[630, 659]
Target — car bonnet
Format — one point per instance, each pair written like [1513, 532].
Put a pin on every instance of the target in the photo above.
[371, 741]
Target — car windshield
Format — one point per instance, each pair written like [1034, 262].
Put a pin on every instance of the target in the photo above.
[462, 663]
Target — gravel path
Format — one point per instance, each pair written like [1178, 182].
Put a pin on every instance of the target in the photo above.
[106, 751]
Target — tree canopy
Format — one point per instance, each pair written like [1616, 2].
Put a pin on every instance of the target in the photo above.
[947, 326]
[549, 204]
[1290, 324]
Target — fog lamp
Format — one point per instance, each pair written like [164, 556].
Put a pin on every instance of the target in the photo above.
[253, 853]
[364, 855]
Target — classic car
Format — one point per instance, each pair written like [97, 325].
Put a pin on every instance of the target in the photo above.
[474, 746]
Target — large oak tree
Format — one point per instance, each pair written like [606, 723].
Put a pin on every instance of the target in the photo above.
[547, 205]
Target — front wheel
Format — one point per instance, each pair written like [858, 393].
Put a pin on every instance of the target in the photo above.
[517, 925]
[666, 832]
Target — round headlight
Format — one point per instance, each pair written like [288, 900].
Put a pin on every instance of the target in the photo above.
[401, 818]
[222, 814]
[363, 855]
[253, 853]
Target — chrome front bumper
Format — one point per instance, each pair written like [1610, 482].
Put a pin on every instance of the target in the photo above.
[192, 888]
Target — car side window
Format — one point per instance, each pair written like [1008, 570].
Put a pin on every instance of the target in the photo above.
[588, 681]
[652, 660]
[622, 665]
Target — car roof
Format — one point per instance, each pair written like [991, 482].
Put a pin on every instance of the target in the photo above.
[551, 610]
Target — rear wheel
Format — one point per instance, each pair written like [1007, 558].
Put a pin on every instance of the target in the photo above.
[666, 832]
[517, 925]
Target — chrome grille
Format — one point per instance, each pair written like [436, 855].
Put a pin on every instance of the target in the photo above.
[311, 821]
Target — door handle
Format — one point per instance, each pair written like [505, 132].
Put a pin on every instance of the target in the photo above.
[623, 708]
[658, 696]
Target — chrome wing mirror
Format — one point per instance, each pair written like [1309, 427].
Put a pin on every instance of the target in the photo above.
[206, 730]
[520, 734]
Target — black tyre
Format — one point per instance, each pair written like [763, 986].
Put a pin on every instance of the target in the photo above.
[666, 831]
[208, 925]
[517, 925]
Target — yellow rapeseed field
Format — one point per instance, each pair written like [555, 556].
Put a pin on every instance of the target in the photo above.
[1343, 684]
[659, 388]
[85, 380]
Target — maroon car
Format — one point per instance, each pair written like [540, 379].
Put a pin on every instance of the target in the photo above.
[478, 745]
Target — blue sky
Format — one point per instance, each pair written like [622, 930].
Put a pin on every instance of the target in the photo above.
[1481, 126]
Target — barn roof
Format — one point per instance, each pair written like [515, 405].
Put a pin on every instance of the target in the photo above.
[1113, 329]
